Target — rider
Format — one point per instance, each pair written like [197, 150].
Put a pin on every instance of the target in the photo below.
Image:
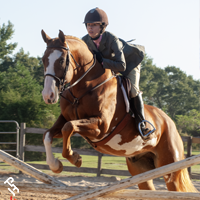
[119, 56]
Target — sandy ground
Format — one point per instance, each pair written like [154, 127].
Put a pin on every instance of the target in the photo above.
[68, 180]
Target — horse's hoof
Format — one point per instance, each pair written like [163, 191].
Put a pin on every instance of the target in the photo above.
[59, 170]
[78, 163]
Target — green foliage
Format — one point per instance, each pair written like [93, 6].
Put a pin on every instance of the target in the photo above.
[170, 89]
[153, 83]
[189, 123]
[6, 32]
[21, 99]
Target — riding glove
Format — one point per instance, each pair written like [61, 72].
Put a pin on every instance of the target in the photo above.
[98, 56]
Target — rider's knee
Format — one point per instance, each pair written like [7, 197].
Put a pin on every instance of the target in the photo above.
[134, 91]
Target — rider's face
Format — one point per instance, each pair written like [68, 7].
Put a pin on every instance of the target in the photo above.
[93, 29]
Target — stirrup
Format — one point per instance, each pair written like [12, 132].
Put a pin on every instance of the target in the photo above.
[150, 132]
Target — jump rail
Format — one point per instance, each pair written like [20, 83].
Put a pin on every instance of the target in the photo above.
[114, 190]
[140, 178]
[27, 169]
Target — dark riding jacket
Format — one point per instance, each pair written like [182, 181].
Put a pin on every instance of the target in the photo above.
[118, 55]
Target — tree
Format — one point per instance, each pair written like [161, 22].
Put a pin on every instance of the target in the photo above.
[34, 65]
[153, 83]
[170, 89]
[189, 123]
[6, 33]
[181, 96]
[21, 99]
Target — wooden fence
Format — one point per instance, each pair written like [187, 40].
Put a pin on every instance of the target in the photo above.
[23, 148]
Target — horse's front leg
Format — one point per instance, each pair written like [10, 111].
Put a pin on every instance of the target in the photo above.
[85, 127]
[55, 132]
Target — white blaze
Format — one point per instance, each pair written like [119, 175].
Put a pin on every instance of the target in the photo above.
[49, 83]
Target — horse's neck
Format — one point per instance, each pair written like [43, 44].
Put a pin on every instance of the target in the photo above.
[95, 74]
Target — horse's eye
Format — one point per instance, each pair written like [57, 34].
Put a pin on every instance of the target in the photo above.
[61, 61]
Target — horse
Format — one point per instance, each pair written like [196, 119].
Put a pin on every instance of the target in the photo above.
[94, 107]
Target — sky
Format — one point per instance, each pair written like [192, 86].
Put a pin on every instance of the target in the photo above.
[169, 29]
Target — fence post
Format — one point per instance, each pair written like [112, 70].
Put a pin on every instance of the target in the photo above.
[22, 140]
[99, 164]
[189, 150]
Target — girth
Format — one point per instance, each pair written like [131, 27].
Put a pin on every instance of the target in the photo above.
[122, 124]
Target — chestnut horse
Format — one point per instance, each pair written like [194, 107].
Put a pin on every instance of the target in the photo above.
[93, 106]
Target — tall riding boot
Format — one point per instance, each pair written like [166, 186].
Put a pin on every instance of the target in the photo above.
[137, 106]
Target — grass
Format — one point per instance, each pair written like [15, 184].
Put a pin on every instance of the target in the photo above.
[115, 163]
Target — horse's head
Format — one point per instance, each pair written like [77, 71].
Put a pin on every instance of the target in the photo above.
[57, 67]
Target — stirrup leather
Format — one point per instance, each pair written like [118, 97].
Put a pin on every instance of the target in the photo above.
[150, 132]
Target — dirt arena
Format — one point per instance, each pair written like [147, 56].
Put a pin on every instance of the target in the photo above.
[92, 182]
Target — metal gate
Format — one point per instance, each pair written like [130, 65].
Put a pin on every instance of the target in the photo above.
[17, 137]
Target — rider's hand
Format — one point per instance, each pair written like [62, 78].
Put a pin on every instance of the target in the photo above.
[98, 56]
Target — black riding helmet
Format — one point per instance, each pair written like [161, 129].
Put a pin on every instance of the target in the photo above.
[97, 15]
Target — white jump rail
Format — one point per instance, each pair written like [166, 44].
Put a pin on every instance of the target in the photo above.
[140, 178]
[28, 169]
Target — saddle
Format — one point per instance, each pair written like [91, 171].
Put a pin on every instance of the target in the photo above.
[125, 85]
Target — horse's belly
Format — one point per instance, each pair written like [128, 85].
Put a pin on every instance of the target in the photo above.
[116, 146]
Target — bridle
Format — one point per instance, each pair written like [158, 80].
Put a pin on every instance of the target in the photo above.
[60, 82]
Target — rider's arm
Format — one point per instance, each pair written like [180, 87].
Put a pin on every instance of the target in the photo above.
[118, 63]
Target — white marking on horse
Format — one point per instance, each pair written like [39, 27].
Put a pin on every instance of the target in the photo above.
[177, 154]
[51, 161]
[49, 83]
[130, 147]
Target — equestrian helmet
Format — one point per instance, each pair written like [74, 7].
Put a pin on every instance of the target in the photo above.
[96, 15]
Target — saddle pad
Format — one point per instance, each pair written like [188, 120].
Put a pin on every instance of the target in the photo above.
[126, 90]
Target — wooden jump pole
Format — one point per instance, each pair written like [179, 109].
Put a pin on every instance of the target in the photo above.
[124, 194]
[28, 169]
[140, 178]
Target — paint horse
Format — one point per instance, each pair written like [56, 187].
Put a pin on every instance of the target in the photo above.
[93, 106]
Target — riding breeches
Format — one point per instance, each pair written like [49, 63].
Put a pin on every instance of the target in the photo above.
[134, 77]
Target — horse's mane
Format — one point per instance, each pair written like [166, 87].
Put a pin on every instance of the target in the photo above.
[75, 38]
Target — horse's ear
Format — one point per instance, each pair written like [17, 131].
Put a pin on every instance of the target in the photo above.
[45, 37]
[62, 37]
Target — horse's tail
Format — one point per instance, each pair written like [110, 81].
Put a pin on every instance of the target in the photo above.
[184, 182]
